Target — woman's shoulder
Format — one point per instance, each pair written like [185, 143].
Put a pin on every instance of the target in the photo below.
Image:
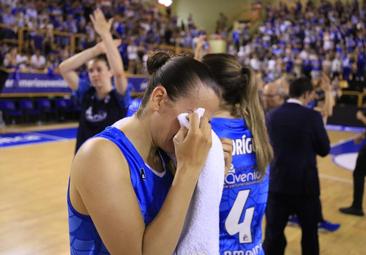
[99, 156]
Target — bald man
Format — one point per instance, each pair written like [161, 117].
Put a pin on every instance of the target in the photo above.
[273, 96]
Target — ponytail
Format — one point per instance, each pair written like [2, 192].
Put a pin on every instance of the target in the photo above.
[241, 97]
[251, 110]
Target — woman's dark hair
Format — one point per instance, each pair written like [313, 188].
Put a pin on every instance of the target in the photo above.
[177, 74]
[300, 86]
[156, 60]
[241, 97]
[102, 58]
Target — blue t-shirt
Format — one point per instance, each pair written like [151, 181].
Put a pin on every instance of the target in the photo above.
[245, 194]
[151, 189]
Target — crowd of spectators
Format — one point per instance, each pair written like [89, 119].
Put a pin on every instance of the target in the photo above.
[307, 39]
[301, 39]
[142, 26]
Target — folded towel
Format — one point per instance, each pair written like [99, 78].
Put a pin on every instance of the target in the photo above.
[200, 235]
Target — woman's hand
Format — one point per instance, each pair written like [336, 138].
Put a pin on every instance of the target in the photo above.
[100, 24]
[325, 83]
[360, 116]
[192, 146]
[358, 139]
[199, 47]
[227, 145]
[200, 41]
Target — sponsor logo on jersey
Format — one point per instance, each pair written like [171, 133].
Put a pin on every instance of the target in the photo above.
[142, 174]
[241, 178]
[92, 116]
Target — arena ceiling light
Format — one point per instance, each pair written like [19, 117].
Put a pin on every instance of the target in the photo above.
[166, 3]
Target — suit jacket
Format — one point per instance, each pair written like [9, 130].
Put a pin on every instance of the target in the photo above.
[297, 135]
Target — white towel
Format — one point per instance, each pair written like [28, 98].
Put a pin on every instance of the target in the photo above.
[200, 235]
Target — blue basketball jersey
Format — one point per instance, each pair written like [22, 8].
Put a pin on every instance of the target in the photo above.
[244, 196]
[151, 189]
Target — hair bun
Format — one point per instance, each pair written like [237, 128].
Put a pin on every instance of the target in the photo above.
[156, 60]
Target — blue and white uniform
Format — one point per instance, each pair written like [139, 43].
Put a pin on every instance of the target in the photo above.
[151, 189]
[245, 194]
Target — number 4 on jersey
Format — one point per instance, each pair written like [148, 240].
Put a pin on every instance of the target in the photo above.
[232, 221]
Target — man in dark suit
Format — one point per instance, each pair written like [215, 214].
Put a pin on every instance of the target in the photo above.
[298, 136]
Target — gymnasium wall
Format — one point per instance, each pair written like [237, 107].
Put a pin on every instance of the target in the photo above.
[292, 2]
[206, 12]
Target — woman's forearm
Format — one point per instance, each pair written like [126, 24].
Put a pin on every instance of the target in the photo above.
[166, 233]
[115, 62]
[79, 59]
[328, 104]
[113, 55]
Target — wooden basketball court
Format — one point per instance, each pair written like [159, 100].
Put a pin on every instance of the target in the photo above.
[33, 212]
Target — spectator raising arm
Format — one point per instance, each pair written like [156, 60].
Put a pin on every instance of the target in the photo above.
[326, 108]
[361, 117]
[329, 99]
[202, 47]
[198, 49]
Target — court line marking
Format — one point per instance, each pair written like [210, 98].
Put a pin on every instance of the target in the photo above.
[54, 137]
[41, 135]
[34, 143]
[333, 157]
[352, 129]
[335, 178]
[341, 141]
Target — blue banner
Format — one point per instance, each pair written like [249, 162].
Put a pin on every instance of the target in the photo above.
[53, 83]
[35, 83]
[137, 84]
